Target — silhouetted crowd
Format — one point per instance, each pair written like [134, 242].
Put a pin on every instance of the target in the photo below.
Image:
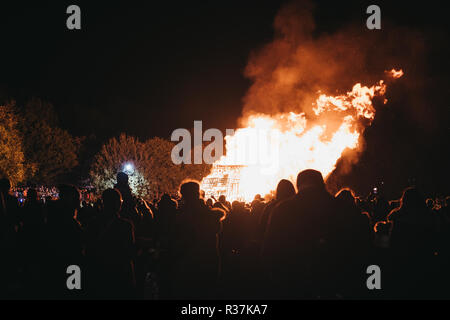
[302, 244]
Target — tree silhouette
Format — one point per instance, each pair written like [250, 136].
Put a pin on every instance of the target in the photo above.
[12, 158]
[154, 172]
[165, 175]
[51, 150]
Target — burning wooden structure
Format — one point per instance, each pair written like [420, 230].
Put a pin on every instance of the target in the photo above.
[223, 180]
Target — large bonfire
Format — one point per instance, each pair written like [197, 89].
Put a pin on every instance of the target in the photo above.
[273, 147]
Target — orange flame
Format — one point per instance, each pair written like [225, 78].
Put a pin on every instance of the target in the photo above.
[395, 74]
[274, 147]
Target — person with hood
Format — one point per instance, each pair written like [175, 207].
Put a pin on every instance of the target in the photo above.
[285, 190]
[301, 242]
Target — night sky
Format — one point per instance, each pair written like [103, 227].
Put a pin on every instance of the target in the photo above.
[147, 69]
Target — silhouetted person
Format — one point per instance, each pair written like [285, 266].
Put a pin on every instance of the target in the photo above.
[113, 252]
[166, 215]
[285, 190]
[301, 244]
[165, 218]
[86, 214]
[355, 239]
[209, 202]
[413, 238]
[196, 270]
[145, 224]
[219, 205]
[257, 209]
[128, 210]
[64, 246]
[123, 186]
[351, 215]
[32, 214]
[235, 229]
[32, 235]
[226, 204]
[9, 206]
[412, 222]
[379, 206]
[9, 222]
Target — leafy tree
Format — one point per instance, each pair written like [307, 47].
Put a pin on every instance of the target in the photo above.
[154, 172]
[12, 159]
[51, 150]
[111, 159]
[165, 175]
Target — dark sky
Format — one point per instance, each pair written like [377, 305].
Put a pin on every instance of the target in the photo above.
[148, 68]
[142, 68]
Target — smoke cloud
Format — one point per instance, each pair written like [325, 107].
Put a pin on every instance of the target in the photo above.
[301, 62]
[288, 73]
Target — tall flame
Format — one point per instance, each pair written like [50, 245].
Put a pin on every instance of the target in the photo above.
[274, 147]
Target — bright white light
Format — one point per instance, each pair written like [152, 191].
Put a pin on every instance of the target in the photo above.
[128, 168]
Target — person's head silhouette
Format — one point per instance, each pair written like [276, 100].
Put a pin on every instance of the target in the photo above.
[310, 180]
[5, 185]
[412, 199]
[285, 189]
[222, 199]
[346, 195]
[122, 178]
[112, 201]
[190, 191]
[69, 198]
